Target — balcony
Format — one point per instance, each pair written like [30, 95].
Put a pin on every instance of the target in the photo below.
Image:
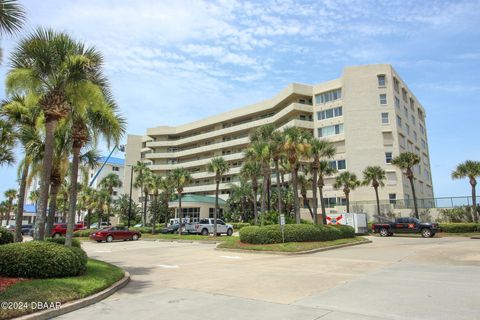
[195, 163]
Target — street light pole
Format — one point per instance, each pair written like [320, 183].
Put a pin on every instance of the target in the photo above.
[130, 203]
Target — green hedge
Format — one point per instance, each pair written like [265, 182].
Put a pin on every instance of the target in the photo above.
[61, 240]
[5, 236]
[239, 225]
[459, 227]
[41, 259]
[83, 233]
[294, 233]
[146, 229]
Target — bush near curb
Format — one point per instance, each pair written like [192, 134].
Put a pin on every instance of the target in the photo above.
[41, 259]
[83, 233]
[5, 236]
[61, 240]
[459, 227]
[294, 233]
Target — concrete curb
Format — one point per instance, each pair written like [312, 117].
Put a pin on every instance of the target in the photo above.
[184, 241]
[78, 304]
[297, 253]
[475, 237]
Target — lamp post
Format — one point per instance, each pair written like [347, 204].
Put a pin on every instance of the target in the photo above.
[130, 203]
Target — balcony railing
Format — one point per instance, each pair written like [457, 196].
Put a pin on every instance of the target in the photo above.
[427, 203]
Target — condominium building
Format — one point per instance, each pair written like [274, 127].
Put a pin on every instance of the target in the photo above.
[111, 165]
[369, 114]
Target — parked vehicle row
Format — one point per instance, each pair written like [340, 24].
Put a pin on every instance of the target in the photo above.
[406, 225]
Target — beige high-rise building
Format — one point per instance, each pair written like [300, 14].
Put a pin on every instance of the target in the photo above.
[369, 113]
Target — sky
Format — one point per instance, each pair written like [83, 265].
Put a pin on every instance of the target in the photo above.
[172, 62]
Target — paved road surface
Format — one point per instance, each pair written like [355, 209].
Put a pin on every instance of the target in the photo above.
[391, 278]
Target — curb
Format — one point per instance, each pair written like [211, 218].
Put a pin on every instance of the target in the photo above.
[338, 246]
[78, 304]
[184, 241]
[475, 237]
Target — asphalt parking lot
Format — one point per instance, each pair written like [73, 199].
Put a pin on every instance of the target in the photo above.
[391, 278]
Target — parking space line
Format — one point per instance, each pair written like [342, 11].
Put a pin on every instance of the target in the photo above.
[230, 257]
[166, 266]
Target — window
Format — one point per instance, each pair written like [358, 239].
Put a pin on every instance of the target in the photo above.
[341, 164]
[407, 129]
[330, 130]
[383, 98]
[392, 197]
[405, 110]
[422, 129]
[115, 169]
[402, 141]
[399, 121]
[381, 80]
[330, 113]
[388, 157]
[404, 94]
[211, 212]
[423, 143]
[385, 118]
[412, 104]
[413, 119]
[397, 102]
[328, 96]
[115, 193]
[415, 136]
[330, 202]
[396, 84]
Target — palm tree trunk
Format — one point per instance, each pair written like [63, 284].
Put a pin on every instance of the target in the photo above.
[145, 199]
[154, 215]
[322, 204]
[50, 126]
[269, 186]
[314, 197]
[474, 201]
[52, 209]
[378, 201]
[89, 219]
[21, 201]
[180, 213]
[347, 197]
[10, 205]
[255, 209]
[305, 200]
[296, 207]
[263, 203]
[215, 213]
[279, 188]
[73, 194]
[414, 198]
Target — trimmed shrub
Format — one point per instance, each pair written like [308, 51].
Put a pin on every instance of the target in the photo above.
[294, 233]
[61, 240]
[5, 236]
[239, 225]
[144, 229]
[459, 227]
[83, 233]
[41, 259]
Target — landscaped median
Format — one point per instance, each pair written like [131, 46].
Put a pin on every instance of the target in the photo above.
[296, 238]
[41, 276]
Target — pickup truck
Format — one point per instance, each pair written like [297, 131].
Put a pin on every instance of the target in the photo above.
[406, 225]
[205, 227]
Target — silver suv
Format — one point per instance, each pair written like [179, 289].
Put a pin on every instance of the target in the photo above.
[205, 227]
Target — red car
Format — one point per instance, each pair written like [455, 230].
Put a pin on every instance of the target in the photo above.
[60, 229]
[115, 233]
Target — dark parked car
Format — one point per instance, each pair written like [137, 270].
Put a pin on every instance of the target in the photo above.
[406, 225]
[173, 228]
[25, 228]
[115, 233]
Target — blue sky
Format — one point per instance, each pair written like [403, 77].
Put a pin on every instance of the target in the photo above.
[172, 62]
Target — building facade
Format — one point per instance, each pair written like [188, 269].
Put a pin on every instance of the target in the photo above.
[113, 165]
[369, 114]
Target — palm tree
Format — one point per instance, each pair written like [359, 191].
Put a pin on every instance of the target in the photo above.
[12, 17]
[10, 194]
[3, 210]
[277, 155]
[7, 142]
[155, 184]
[241, 194]
[296, 146]
[406, 161]
[250, 171]
[168, 189]
[181, 178]
[141, 181]
[324, 170]
[303, 182]
[348, 181]
[33, 197]
[375, 176]
[62, 73]
[220, 167]
[261, 152]
[24, 114]
[109, 182]
[471, 170]
[319, 149]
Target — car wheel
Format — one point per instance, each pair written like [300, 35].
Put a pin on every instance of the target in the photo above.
[229, 232]
[205, 232]
[57, 235]
[427, 233]
[135, 237]
[109, 239]
[384, 232]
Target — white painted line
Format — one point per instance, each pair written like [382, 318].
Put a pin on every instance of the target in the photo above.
[230, 257]
[166, 266]
[100, 251]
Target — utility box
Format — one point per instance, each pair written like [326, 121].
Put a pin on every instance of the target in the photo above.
[358, 221]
